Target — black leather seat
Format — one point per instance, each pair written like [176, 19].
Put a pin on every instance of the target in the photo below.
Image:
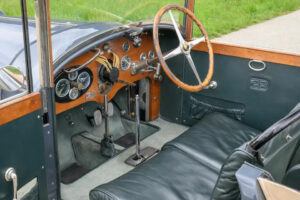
[213, 138]
[186, 168]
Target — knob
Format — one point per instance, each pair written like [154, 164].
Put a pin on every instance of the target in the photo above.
[212, 85]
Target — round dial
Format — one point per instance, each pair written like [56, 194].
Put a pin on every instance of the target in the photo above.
[151, 54]
[125, 62]
[85, 79]
[126, 46]
[74, 93]
[72, 76]
[143, 57]
[62, 87]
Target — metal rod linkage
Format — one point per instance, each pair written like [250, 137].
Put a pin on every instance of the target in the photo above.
[137, 133]
[106, 115]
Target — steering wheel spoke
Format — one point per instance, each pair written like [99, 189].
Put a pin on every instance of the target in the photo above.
[172, 53]
[183, 48]
[192, 65]
[196, 41]
[178, 33]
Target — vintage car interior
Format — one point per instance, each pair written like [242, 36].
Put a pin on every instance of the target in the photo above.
[147, 111]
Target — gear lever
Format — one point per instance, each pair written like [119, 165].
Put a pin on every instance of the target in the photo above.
[146, 153]
[107, 144]
[137, 128]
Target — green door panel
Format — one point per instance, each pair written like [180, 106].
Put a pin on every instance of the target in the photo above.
[257, 98]
[21, 147]
[264, 104]
[169, 91]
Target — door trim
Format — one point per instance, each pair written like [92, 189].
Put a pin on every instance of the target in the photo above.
[252, 53]
[19, 107]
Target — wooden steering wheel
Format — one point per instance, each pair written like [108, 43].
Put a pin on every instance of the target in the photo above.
[183, 48]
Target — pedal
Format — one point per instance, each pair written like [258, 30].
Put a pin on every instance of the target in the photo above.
[145, 154]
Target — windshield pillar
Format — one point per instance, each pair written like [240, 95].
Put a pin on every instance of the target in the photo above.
[188, 22]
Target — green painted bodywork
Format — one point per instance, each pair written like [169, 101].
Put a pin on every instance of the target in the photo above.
[21, 147]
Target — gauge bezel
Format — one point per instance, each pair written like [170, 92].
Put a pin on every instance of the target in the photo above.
[76, 72]
[84, 86]
[149, 54]
[124, 57]
[64, 75]
[143, 54]
[124, 48]
[78, 93]
[69, 87]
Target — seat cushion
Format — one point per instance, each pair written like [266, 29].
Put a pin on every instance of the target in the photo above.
[172, 175]
[186, 168]
[213, 139]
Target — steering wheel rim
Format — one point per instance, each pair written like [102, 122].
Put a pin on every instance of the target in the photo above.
[183, 48]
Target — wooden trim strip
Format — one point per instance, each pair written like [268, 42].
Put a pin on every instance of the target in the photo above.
[189, 22]
[19, 107]
[252, 53]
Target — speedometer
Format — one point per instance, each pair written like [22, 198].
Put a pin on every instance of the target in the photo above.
[85, 79]
[62, 87]
[125, 62]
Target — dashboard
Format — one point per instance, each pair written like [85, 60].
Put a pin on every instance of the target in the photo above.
[108, 73]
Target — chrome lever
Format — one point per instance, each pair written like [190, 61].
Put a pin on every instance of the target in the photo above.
[11, 175]
[137, 127]
[157, 75]
[141, 154]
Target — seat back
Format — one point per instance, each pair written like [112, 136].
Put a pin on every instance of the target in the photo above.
[279, 152]
[282, 148]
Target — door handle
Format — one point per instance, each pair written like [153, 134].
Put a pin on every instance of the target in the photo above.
[11, 175]
[257, 69]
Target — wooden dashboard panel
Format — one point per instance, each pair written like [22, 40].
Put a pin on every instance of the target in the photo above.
[134, 53]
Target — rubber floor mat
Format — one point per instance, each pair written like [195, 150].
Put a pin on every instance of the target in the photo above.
[126, 140]
[88, 157]
[72, 173]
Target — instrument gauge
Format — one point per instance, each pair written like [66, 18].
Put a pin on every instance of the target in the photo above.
[62, 87]
[72, 76]
[125, 62]
[85, 79]
[126, 46]
[151, 54]
[74, 93]
[143, 57]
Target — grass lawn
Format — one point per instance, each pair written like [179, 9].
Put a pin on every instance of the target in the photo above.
[218, 16]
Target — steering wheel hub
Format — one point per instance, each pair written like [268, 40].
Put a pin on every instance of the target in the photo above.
[186, 47]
